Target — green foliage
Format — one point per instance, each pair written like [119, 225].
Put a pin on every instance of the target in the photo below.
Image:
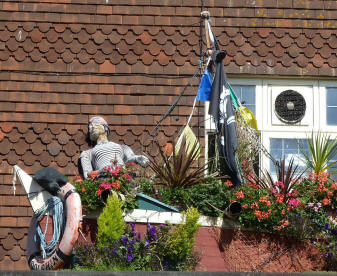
[321, 151]
[146, 186]
[181, 242]
[110, 222]
[87, 190]
[112, 178]
[177, 170]
[209, 198]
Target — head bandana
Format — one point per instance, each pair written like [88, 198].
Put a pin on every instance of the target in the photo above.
[97, 120]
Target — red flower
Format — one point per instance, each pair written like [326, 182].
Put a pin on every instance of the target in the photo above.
[228, 183]
[326, 201]
[244, 206]
[240, 194]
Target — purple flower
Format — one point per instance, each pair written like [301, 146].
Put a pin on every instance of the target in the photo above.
[147, 243]
[132, 241]
[153, 231]
[329, 255]
[327, 226]
[130, 249]
[132, 225]
[133, 234]
[138, 237]
[114, 251]
[125, 240]
[130, 257]
[334, 231]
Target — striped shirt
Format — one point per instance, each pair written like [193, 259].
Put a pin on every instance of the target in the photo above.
[104, 154]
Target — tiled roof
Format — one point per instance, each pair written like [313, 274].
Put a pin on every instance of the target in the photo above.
[63, 61]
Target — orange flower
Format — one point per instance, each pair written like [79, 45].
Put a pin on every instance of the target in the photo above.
[334, 186]
[326, 201]
[283, 212]
[228, 183]
[279, 198]
[93, 174]
[286, 223]
[244, 206]
[258, 214]
[116, 185]
[279, 228]
[240, 194]
[83, 189]
[263, 199]
[330, 194]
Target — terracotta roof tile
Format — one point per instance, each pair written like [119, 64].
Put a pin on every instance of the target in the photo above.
[63, 137]
[3, 253]
[28, 45]
[333, 60]
[286, 41]
[14, 135]
[130, 38]
[4, 55]
[21, 147]
[5, 146]
[12, 158]
[332, 41]
[302, 41]
[29, 158]
[8, 242]
[36, 35]
[70, 149]
[54, 148]
[122, 47]
[255, 40]
[309, 51]
[23, 243]
[287, 61]
[20, 35]
[12, 26]
[44, 46]
[317, 42]
[60, 46]
[16, 253]
[37, 147]
[67, 36]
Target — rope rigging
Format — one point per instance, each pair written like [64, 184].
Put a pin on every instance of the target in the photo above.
[54, 207]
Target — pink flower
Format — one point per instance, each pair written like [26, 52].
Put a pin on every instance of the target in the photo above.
[294, 202]
[127, 176]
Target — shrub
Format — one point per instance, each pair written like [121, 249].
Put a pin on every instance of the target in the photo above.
[210, 198]
[110, 222]
[181, 241]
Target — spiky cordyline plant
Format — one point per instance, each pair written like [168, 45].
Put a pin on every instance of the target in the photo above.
[321, 151]
[287, 176]
[177, 170]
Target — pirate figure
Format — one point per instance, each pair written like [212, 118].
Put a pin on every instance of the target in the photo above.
[106, 153]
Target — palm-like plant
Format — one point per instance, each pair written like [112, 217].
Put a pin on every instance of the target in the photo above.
[321, 151]
[177, 170]
[286, 178]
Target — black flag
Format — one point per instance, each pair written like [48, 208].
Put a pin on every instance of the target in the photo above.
[221, 108]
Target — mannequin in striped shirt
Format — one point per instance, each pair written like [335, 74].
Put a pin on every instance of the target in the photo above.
[105, 153]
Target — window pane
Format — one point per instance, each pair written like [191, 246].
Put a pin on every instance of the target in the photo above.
[331, 116]
[331, 96]
[331, 106]
[287, 148]
[246, 95]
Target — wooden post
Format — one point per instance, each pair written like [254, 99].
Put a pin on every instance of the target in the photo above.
[206, 16]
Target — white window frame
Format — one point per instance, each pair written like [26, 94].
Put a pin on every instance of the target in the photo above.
[264, 106]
